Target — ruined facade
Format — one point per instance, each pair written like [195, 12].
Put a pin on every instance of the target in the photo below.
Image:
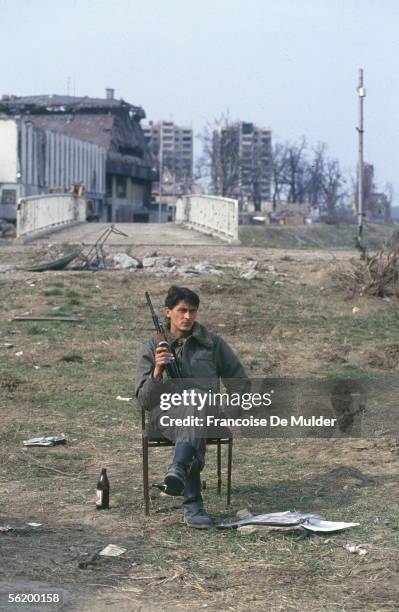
[37, 161]
[111, 124]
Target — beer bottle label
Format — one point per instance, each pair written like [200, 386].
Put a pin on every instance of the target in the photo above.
[99, 497]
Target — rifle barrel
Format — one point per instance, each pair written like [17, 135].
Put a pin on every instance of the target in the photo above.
[171, 368]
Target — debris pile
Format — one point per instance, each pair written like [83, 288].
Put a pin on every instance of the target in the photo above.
[249, 270]
[7, 230]
[377, 276]
[382, 273]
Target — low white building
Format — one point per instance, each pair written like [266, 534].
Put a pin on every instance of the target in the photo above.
[35, 161]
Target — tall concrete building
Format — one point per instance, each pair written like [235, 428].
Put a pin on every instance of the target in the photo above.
[242, 162]
[171, 147]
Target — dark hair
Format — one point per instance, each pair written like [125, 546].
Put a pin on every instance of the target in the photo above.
[180, 294]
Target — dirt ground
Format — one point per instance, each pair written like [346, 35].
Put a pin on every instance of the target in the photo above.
[293, 319]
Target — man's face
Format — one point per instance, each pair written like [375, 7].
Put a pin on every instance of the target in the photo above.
[182, 317]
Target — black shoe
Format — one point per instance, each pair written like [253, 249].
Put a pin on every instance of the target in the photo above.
[196, 516]
[176, 476]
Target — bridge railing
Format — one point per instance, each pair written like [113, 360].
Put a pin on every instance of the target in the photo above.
[209, 214]
[39, 213]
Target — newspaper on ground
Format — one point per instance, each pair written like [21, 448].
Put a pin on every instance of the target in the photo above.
[45, 441]
[18, 527]
[112, 551]
[305, 520]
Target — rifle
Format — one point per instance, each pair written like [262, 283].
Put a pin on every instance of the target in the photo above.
[172, 368]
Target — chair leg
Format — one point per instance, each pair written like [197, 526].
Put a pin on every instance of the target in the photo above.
[229, 468]
[146, 489]
[219, 467]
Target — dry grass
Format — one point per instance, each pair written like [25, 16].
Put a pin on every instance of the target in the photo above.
[377, 276]
[81, 368]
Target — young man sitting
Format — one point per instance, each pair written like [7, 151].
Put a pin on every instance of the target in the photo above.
[200, 355]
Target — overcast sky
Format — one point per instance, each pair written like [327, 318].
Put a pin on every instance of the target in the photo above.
[291, 65]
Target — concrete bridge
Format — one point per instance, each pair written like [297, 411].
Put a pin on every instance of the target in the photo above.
[64, 216]
[138, 234]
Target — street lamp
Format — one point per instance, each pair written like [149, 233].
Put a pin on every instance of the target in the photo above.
[360, 195]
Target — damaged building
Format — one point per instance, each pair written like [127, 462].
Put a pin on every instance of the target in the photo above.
[111, 125]
[36, 161]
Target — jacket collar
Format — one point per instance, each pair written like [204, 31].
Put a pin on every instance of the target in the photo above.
[199, 332]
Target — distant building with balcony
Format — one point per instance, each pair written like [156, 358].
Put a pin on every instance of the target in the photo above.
[113, 125]
[171, 147]
[242, 162]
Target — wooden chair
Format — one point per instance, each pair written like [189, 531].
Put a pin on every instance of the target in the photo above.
[149, 440]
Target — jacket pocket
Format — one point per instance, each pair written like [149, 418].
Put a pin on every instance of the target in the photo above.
[204, 367]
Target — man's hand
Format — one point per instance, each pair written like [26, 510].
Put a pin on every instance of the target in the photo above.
[162, 357]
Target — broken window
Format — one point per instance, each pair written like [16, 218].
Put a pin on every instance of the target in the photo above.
[9, 197]
[121, 183]
[109, 186]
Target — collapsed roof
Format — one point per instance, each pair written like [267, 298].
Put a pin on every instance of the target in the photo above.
[110, 123]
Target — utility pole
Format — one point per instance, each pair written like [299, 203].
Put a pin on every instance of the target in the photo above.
[360, 183]
[160, 157]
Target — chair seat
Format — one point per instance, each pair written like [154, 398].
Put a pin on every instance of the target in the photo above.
[153, 435]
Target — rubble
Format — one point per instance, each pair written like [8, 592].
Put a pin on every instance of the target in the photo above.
[158, 262]
[7, 268]
[123, 261]
[356, 549]
[206, 268]
[249, 270]
[249, 275]
[149, 262]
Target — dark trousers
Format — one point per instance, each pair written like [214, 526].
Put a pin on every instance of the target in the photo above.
[194, 434]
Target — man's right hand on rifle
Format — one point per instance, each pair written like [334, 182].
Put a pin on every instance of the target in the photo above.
[162, 358]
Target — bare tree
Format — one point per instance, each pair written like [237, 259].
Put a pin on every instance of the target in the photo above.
[315, 176]
[333, 188]
[279, 161]
[298, 175]
[295, 171]
[221, 156]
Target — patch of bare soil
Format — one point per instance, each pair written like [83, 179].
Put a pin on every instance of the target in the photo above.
[337, 353]
[384, 357]
[219, 288]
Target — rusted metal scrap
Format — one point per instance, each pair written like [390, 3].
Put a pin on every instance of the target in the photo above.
[95, 258]
[56, 264]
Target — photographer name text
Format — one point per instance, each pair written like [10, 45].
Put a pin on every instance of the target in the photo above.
[249, 421]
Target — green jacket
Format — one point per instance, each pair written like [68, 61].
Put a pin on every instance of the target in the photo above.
[205, 356]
